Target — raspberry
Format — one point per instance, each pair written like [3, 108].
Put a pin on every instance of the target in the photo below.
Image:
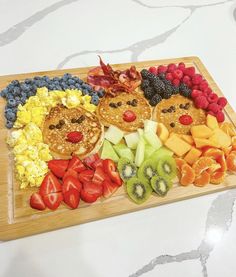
[185, 119]
[186, 79]
[215, 108]
[178, 74]
[211, 113]
[129, 116]
[222, 101]
[203, 85]
[169, 76]
[195, 87]
[153, 70]
[196, 79]
[220, 116]
[181, 66]
[189, 84]
[201, 102]
[176, 82]
[74, 137]
[171, 67]
[195, 93]
[162, 69]
[212, 98]
[189, 71]
[207, 90]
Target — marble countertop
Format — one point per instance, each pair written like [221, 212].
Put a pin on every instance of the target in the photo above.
[192, 238]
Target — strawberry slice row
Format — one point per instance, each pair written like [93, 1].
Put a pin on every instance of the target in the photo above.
[71, 180]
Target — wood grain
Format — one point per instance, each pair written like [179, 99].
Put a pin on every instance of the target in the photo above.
[17, 219]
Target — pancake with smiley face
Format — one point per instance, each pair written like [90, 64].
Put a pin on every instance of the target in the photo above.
[127, 111]
[72, 131]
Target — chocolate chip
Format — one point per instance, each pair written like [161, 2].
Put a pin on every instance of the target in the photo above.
[61, 122]
[73, 120]
[58, 126]
[128, 102]
[112, 105]
[169, 110]
[164, 111]
[119, 104]
[51, 127]
[181, 106]
[82, 117]
[172, 124]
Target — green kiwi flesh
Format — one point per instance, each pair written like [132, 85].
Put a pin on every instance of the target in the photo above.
[147, 170]
[138, 190]
[161, 185]
[126, 168]
[166, 167]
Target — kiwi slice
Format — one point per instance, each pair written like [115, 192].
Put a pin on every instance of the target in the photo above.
[126, 168]
[161, 185]
[138, 190]
[166, 167]
[147, 169]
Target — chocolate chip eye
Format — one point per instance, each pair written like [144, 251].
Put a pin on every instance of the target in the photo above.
[172, 124]
[58, 126]
[119, 104]
[51, 127]
[128, 102]
[73, 120]
[61, 122]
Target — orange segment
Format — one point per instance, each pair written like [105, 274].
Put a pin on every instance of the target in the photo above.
[234, 143]
[179, 163]
[218, 156]
[217, 177]
[228, 128]
[187, 175]
[202, 180]
[231, 162]
[202, 165]
[227, 150]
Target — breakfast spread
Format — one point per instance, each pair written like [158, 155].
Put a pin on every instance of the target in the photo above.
[164, 127]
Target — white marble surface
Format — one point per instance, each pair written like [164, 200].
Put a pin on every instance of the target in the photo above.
[191, 238]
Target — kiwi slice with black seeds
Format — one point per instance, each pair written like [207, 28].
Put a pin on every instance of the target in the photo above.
[161, 185]
[138, 190]
[166, 167]
[147, 169]
[126, 168]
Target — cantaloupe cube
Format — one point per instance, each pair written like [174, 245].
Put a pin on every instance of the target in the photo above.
[193, 155]
[221, 138]
[162, 132]
[201, 131]
[188, 139]
[177, 145]
[201, 142]
[212, 122]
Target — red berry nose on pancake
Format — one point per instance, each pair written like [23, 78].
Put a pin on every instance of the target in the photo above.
[74, 137]
[129, 116]
[185, 119]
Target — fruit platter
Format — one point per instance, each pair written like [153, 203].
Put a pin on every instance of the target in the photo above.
[79, 145]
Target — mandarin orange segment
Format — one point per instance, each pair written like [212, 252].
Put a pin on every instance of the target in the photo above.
[227, 150]
[179, 163]
[218, 156]
[217, 177]
[231, 162]
[187, 175]
[234, 143]
[228, 128]
[202, 164]
[202, 180]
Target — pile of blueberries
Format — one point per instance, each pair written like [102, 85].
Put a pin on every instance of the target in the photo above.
[18, 92]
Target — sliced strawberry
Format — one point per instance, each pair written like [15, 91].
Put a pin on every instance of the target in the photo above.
[53, 200]
[92, 188]
[108, 188]
[86, 176]
[76, 164]
[88, 161]
[50, 184]
[97, 163]
[99, 176]
[72, 198]
[110, 168]
[58, 167]
[87, 197]
[36, 202]
[70, 172]
[71, 183]
[129, 116]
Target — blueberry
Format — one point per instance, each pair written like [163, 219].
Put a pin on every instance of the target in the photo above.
[15, 82]
[25, 87]
[10, 87]
[65, 87]
[55, 79]
[16, 91]
[46, 79]
[11, 102]
[90, 93]
[28, 81]
[56, 83]
[37, 78]
[71, 82]
[80, 81]
[10, 96]
[85, 92]
[101, 93]
[95, 100]
[84, 86]
[4, 92]
[67, 75]
[10, 115]
[78, 86]
[42, 83]
[30, 93]
[58, 87]
[9, 124]
[50, 87]
[72, 87]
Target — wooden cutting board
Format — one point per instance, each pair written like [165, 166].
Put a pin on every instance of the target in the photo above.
[17, 219]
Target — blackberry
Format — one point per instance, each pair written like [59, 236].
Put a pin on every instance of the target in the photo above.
[144, 84]
[149, 92]
[167, 82]
[175, 90]
[145, 73]
[155, 100]
[162, 76]
[151, 77]
[159, 86]
[169, 89]
[184, 90]
[167, 95]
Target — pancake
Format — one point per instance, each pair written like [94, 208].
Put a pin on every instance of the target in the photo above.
[172, 118]
[87, 123]
[110, 115]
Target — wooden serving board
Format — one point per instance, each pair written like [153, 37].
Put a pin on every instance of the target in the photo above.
[17, 219]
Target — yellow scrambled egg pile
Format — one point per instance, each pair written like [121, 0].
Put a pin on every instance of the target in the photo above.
[31, 154]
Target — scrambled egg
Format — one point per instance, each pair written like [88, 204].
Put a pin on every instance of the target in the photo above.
[31, 154]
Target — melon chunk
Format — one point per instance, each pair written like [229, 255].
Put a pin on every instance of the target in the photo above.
[177, 145]
[162, 132]
[114, 134]
[201, 142]
[188, 139]
[139, 155]
[132, 140]
[212, 122]
[108, 152]
[193, 155]
[221, 138]
[201, 131]
[150, 125]
[152, 139]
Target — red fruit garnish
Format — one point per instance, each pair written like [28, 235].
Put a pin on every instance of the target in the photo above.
[215, 108]
[162, 69]
[207, 90]
[97, 163]
[203, 85]
[72, 198]
[129, 116]
[176, 82]
[171, 67]
[211, 113]
[195, 93]
[71, 183]
[222, 101]
[110, 168]
[189, 71]
[201, 102]
[53, 200]
[36, 202]
[186, 79]
[70, 172]
[93, 189]
[178, 74]
[74, 137]
[109, 188]
[169, 77]
[195, 87]
[99, 176]
[58, 167]
[90, 160]
[196, 79]
[181, 66]
[50, 184]
[86, 176]
[87, 197]
[76, 164]
[153, 70]
[212, 98]
[185, 119]
[220, 116]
